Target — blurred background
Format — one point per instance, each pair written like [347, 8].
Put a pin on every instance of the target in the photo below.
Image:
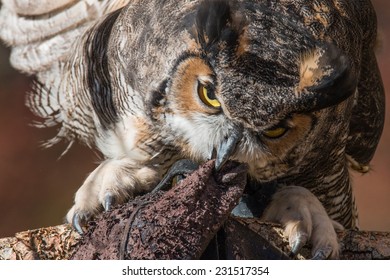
[36, 189]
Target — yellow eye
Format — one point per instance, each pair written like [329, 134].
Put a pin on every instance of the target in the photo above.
[276, 132]
[208, 97]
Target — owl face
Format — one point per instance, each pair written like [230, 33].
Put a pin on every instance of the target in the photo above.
[232, 97]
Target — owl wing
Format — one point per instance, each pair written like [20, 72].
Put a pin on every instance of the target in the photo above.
[43, 35]
[367, 117]
[41, 32]
[368, 113]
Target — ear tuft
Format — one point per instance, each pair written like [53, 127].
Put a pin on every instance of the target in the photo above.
[216, 22]
[326, 73]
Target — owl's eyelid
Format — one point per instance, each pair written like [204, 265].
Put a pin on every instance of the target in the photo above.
[205, 80]
[206, 84]
[209, 85]
[283, 123]
[286, 121]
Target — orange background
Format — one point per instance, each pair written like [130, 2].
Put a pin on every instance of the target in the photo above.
[36, 189]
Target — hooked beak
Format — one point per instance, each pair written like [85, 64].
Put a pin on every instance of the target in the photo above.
[227, 148]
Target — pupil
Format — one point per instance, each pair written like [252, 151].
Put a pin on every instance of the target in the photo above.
[210, 93]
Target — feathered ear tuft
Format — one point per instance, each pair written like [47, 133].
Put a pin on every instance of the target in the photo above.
[216, 22]
[326, 78]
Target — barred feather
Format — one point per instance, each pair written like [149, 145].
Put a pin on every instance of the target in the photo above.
[44, 36]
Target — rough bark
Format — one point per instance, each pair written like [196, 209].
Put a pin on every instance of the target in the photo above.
[52, 243]
[253, 239]
[176, 224]
[179, 224]
[261, 241]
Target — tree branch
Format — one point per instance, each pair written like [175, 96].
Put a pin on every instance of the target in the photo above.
[190, 221]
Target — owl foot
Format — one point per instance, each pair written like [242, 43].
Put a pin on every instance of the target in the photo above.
[305, 221]
[79, 219]
[112, 182]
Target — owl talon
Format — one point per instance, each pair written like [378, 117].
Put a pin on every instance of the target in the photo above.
[297, 243]
[77, 220]
[323, 253]
[305, 221]
[113, 182]
[108, 201]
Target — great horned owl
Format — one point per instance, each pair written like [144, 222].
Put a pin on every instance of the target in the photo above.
[289, 87]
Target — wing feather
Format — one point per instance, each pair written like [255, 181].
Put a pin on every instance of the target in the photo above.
[21, 30]
[44, 36]
[33, 7]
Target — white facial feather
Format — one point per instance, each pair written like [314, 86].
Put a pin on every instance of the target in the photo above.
[201, 132]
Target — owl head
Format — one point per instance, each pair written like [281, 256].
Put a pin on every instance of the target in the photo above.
[255, 86]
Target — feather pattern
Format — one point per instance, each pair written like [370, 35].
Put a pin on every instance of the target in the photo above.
[44, 36]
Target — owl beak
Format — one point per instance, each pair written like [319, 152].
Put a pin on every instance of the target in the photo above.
[227, 148]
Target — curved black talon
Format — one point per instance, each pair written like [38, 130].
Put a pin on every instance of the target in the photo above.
[76, 223]
[323, 253]
[108, 202]
[297, 245]
[179, 168]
